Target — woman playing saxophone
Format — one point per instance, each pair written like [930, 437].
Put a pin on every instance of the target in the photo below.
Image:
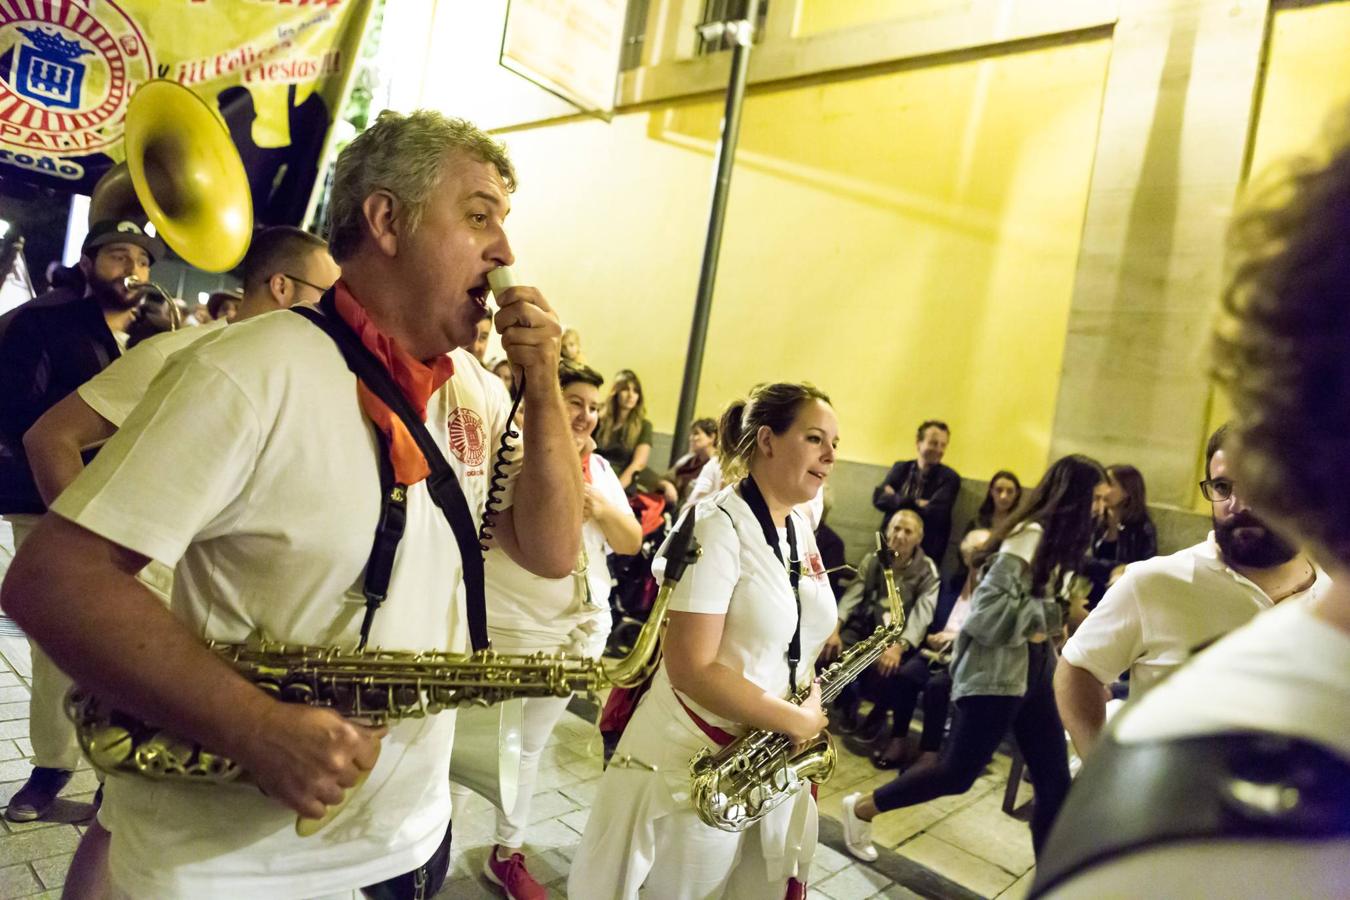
[745, 627]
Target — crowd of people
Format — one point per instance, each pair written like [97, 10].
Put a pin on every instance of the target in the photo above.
[1055, 601]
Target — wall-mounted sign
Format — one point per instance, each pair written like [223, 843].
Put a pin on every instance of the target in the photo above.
[568, 47]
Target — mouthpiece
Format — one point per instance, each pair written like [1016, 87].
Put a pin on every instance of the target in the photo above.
[134, 285]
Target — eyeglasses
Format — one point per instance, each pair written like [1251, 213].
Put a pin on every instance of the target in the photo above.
[321, 290]
[1217, 490]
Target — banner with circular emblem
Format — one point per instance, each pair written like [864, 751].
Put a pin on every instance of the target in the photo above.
[274, 69]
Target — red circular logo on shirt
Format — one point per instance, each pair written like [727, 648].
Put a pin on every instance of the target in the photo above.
[468, 439]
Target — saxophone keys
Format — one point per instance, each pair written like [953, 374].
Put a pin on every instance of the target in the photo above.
[109, 747]
[163, 755]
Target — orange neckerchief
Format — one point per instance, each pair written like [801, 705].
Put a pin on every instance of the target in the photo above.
[415, 379]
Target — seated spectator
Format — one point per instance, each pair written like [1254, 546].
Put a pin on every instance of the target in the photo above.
[1124, 533]
[681, 477]
[865, 606]
[927, 672]
[571, 346]
[925, 484]
[222, 305]
[1004, 493]
[624, 436]
[1002, 497]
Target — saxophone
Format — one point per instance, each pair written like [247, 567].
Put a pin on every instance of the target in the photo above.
[734, 787]
[377, 686]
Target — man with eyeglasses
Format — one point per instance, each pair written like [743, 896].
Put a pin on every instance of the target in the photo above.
[1164, 609]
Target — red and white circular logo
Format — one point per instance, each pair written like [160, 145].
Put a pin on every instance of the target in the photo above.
[468, 439]
[66, 76]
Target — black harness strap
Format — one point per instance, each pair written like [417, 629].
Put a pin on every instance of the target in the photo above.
[441, 483]
[1236, 785]
[754, 498]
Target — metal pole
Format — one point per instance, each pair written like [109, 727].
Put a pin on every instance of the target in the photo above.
[726, 153]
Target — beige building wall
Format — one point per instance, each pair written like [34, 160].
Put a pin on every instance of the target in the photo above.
[1007, 212]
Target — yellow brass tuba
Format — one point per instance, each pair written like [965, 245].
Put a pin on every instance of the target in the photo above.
[183, 172]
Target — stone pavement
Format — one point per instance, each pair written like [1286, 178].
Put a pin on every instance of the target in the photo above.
[952, 847]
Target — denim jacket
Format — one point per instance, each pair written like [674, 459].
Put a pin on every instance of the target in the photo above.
[991, 654]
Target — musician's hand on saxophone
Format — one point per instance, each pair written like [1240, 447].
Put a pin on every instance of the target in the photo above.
[305, 757]
[810, 720]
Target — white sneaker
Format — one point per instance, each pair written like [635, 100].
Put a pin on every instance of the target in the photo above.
[857, 833]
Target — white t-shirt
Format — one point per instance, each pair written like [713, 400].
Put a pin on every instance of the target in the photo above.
[277, 543]
[1161, 609]
[709, 482]
[528, 613]
[1284, 671]
[739, 576]
[114, 392]
[1022, 543]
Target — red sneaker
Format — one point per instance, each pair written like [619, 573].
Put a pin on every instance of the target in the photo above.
[796, 890]
[512, 877]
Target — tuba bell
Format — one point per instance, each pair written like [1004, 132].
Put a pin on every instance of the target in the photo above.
[183, 173]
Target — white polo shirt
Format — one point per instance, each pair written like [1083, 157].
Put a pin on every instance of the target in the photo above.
[277, 543]
[1284, 671]
[529, 613]
[1161, 609]
[114, 392]
[738, 576]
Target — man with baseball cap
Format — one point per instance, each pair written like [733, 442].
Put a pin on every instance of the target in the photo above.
[48, 347]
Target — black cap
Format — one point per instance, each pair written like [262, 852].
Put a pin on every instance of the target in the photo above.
[122, 231]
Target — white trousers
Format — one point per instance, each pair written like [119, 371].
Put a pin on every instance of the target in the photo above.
[49, 730]
[697, 862]
[539, 716]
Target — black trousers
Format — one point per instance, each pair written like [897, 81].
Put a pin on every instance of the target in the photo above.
[913, 679]
[978, 729]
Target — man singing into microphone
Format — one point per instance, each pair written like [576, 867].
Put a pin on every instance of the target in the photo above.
[277, 543]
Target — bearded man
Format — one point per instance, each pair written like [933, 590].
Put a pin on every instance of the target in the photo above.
[1164, 609]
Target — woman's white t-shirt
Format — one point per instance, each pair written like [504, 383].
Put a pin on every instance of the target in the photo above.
[528, 613]
[739, 576]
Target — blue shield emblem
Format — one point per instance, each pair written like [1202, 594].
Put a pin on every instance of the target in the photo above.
[47, 70]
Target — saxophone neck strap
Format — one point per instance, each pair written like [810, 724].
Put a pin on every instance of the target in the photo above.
[442, 484]
[754, 498]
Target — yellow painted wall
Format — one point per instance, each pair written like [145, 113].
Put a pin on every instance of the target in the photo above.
[817, 16]
[905, 240]
[1307, 80]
